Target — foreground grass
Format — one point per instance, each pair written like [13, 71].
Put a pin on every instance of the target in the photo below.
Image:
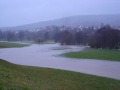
[103, 54]
[16, 77]
[10, 45]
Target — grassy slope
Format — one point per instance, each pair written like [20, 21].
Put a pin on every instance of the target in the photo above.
[10, 45]
[16, 77]
[113, 55]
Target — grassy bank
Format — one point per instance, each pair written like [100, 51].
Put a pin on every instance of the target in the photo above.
[11, 44]
[103, 54]
[16, 77]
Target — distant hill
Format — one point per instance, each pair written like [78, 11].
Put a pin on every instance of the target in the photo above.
[80, 20]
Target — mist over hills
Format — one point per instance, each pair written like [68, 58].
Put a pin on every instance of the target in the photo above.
[73, 21]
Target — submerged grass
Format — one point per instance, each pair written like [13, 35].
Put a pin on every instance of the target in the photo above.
[16, 77]
[11, 45]
[103, 54]
[61, 48]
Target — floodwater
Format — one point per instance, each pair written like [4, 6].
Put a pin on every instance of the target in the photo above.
[46, 56]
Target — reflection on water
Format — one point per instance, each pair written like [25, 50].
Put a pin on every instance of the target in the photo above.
[45, 56]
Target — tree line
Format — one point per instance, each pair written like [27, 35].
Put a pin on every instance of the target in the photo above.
[103, 37]
[106, 37]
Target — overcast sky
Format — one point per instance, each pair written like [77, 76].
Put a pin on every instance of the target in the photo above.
[20, 12]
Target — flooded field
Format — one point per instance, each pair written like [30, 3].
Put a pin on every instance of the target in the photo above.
[47, 56]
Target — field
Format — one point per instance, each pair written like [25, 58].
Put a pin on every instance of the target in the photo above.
[102, 54]
[11, 44]
[16, 77]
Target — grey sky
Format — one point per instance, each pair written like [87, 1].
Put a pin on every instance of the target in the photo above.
[20, 12]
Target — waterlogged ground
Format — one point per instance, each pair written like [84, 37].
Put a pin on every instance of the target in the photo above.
[47, 56]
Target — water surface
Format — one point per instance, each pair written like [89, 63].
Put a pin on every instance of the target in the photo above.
[46, 56]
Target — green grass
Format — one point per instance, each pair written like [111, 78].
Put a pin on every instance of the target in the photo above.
[103, 54]
[16, 77]
[11, 45]
[43, 42]
[60, 48]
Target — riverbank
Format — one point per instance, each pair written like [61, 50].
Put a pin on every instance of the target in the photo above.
[17, 77]
[12, 44]
[102, 54]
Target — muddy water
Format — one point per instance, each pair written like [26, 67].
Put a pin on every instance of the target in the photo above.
[46, 56]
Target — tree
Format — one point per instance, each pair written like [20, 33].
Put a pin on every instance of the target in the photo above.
[66, 38]
[105, 37]
[79, 37]
[46, 35]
